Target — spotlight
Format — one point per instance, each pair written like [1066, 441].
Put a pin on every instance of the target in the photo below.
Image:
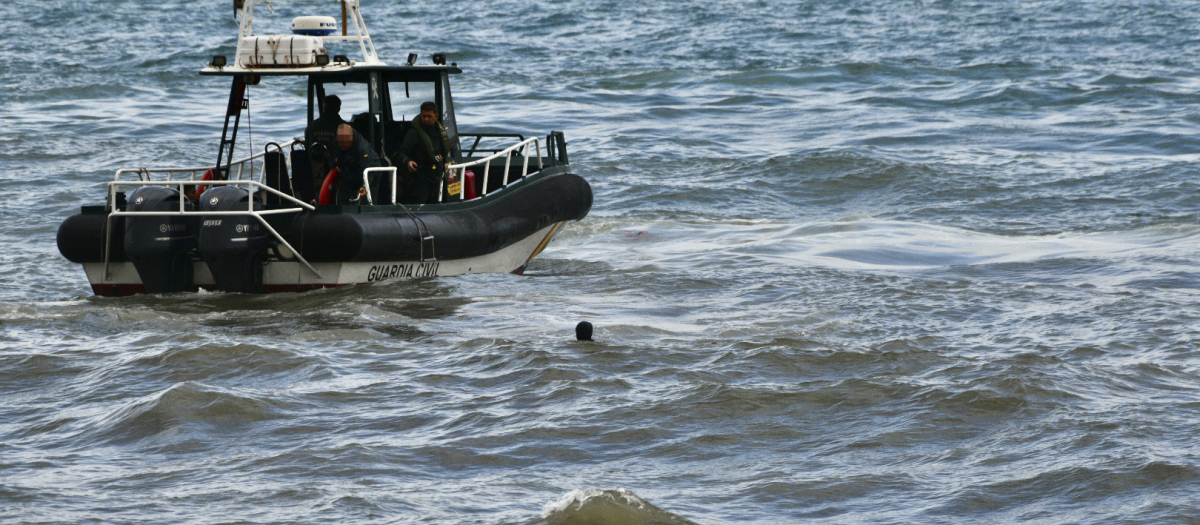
[412, 59]
[439, 59]
[322, 60]
[218, 61]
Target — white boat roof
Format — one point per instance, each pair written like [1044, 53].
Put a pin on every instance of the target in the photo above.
[352, 16]
[353, 71]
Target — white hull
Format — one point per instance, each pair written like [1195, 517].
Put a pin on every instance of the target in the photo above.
[287, 276]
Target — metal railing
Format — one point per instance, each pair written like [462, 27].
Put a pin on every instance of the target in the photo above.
[144, 174]
[250, 211]
[367, 181]
[507, 153]
[479, 138]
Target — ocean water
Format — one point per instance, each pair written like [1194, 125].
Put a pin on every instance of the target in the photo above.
[848, 262]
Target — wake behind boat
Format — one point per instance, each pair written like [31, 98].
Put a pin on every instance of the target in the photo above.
[276, 222]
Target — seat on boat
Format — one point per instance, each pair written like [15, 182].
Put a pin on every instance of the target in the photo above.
[275, 170]
[362, 124]
[302, 175]
[393, 137]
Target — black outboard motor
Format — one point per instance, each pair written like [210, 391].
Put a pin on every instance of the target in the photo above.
[160, 246]
[235, 248]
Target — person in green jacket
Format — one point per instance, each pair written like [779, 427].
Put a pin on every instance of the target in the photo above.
[425, 153]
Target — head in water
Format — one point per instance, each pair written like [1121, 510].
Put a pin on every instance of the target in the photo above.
[428, 113]
[583, 331]
[345, 136]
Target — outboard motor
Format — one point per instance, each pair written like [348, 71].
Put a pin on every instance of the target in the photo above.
[160, 246]
[235, 248]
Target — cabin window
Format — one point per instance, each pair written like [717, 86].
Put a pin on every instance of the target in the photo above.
[354, 98]
[406, 103]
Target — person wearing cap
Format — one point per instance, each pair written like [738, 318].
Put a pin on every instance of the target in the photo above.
[352, 156]
[424, 153]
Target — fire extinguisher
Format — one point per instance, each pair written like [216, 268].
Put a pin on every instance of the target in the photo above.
[469, 180]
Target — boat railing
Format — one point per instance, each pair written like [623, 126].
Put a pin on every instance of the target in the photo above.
[479, 137]
[241, 165]
[250, 185]
[507, 154]
[367, 181]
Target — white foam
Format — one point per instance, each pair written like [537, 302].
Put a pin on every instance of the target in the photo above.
[864, 243]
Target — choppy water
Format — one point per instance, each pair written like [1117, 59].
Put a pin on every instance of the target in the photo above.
[849, 262]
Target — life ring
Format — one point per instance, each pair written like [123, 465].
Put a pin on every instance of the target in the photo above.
[208, 175]
[327, 188]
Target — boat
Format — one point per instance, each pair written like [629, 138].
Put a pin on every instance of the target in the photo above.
[266, 223]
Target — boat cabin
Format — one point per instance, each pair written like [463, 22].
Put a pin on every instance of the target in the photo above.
[378, 100]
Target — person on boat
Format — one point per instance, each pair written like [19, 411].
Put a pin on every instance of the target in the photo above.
[425, 152]
[323, 130]
[321, 137]
[352, 156]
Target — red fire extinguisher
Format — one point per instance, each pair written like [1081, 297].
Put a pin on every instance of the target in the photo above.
[469, 180]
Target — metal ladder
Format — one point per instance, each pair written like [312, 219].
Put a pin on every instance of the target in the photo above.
[423, 234]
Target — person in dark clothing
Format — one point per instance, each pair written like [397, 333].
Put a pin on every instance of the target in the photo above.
[321, 138]
[425, 152]
[352, 156]
[323, 130]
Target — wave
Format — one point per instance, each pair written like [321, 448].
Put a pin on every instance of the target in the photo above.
[872, 244]
[183, 406]
[606, 507]
[1105, 485]
[214, 360]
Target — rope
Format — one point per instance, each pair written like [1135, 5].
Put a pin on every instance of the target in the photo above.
[274, 43]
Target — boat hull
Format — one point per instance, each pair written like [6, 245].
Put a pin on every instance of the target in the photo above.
[347, 245]
[291, 276]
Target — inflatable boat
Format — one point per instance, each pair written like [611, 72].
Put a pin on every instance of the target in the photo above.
[267, 223]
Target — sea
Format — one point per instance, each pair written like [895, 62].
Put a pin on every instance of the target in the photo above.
[913, 261]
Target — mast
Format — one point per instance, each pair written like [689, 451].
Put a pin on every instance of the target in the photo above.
[237, 102]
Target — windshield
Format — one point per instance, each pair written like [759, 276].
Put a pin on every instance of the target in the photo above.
[408, 96]
[353, 96]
